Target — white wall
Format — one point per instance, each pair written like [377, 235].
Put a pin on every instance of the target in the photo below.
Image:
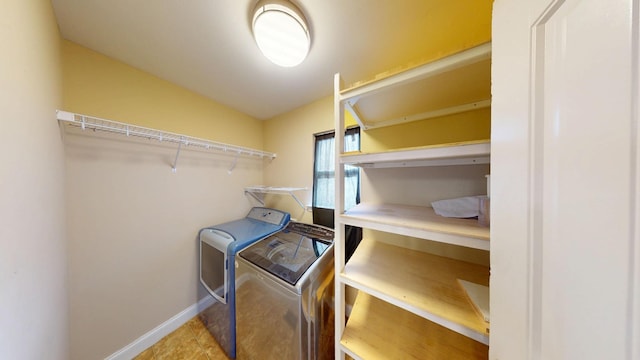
[132, 222]
[33, 261]
[133, 226]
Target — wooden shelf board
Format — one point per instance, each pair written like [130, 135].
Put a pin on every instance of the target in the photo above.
[462, 153]
[418, 221]
[419, 282]
[378, 330]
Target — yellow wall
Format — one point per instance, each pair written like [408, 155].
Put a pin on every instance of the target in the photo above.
[291, 137]
[103, 87]
[33, 243]
[132, 222]
[437, 35]
[472, 125]
[445, 35]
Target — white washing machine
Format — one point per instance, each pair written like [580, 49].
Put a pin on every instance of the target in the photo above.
[219, 245]
[284, 295]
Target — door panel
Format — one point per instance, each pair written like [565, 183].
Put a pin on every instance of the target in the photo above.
[582, 126]
[565, 155]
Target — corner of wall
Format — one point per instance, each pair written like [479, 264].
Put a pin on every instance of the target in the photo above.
[32, 210]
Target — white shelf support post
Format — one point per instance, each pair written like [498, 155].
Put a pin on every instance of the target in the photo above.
[355, 114]
[297, 200]
[258, 193]
[339, 258]
[175, 161]
[233, 165]
[259, 199]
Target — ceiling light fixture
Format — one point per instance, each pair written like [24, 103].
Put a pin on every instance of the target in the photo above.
[281, 32]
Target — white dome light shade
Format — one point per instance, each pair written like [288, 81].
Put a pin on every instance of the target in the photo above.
[281, 32]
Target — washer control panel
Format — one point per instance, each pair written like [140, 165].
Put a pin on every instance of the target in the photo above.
[271, 216]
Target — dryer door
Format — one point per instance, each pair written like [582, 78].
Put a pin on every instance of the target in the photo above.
[213, 262]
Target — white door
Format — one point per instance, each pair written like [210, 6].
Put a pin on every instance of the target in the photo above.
[565, 235]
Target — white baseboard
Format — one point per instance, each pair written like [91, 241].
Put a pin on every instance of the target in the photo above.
[145, 341]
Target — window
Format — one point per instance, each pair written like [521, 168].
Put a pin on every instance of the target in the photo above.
[324, 170]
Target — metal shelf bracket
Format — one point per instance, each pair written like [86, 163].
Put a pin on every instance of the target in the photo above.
[258, 192]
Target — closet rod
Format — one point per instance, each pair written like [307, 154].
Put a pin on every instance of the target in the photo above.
[94, 123]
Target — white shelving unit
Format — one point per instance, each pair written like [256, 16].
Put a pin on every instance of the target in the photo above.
[410, 303]
[258, 192]
[86, 122]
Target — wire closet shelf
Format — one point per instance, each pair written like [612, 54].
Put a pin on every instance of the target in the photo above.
[93, 123]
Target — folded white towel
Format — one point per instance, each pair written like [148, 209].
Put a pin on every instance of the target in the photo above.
[464, 207]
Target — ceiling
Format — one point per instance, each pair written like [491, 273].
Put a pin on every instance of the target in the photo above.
[206, 46]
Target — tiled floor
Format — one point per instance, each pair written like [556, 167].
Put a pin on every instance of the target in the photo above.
[191, 341]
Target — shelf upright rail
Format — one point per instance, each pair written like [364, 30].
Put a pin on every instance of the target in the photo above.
[339, 248]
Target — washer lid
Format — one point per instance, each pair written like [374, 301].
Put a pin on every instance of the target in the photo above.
[259, 223]
[288, 253]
